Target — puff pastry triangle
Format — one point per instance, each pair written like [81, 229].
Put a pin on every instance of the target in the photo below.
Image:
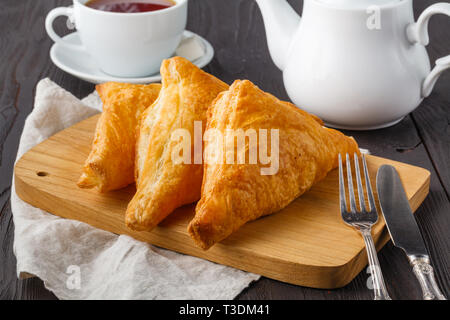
[233, 194]
[110, 164]
[163, 185]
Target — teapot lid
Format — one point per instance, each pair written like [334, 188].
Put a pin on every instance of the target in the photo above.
[357, 4]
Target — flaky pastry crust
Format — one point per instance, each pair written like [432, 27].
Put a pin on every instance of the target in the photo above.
[233, 194]
[163, 186]
[110, 164]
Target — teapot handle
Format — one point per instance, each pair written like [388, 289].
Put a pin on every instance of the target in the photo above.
[418, 33]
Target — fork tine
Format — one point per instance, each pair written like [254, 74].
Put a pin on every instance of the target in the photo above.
[368, 185]
[362, 201]
[342, 200]
[351, 192]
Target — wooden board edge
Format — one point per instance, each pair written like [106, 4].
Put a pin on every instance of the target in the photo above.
[286, 271]
[331, 277]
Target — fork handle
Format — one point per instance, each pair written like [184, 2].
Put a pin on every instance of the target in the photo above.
[424, 273]
[379, 287]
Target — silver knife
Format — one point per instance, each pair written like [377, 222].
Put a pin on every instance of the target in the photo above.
[404, 230]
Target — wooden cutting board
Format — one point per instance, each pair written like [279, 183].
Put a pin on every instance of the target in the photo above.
[306, 243]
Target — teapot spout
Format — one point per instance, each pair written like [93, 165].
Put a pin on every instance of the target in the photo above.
[281, 22]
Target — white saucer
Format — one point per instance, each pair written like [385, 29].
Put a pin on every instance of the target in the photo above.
[81, 65]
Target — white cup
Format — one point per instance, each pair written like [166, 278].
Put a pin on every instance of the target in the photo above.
[124, 44]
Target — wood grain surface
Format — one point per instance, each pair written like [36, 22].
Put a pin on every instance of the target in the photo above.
[306, 243]
[236, 31]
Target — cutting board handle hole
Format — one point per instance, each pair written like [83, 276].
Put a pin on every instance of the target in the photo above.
[42, 173]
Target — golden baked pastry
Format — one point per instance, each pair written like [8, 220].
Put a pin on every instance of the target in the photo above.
[162, 184]
[110, 164]
[233, 194]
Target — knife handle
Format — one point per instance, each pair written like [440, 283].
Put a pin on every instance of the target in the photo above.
[424, 273]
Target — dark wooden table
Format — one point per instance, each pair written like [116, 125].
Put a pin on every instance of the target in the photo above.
[236, 31]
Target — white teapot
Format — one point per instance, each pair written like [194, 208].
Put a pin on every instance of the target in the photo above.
[357, 64]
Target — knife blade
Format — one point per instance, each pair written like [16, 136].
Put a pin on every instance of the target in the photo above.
[403, 229]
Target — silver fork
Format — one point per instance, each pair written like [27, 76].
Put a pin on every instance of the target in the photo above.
[362, 220]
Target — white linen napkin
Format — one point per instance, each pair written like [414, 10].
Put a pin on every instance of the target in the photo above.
[77, 261]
